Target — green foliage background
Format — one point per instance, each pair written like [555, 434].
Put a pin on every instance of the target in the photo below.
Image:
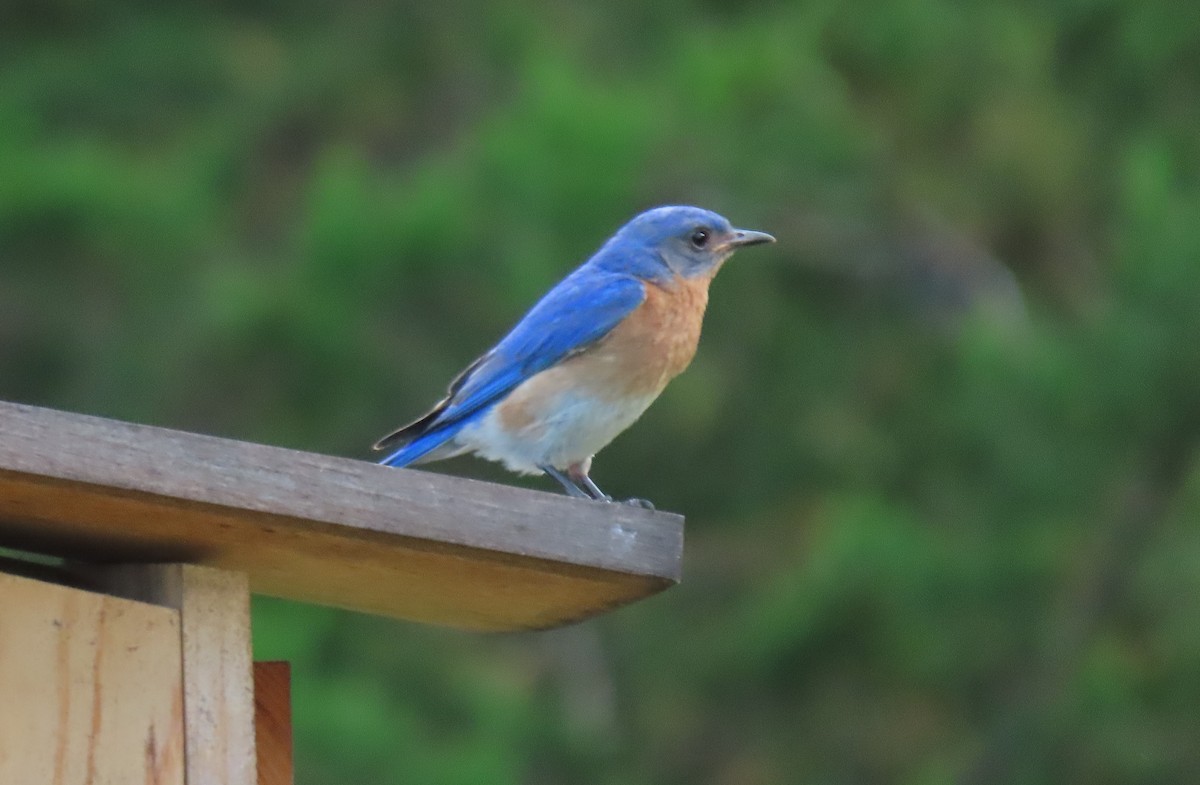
[937, 452]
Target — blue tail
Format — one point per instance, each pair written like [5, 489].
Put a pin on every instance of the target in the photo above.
[419, 447]
[422, 438]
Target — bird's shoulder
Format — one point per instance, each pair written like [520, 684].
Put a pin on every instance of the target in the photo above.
[579, 310]
[654, 343]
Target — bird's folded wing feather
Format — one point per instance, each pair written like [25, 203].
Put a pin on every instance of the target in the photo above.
[581, 310]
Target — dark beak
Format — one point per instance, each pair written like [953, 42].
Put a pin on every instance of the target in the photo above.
[743, 237]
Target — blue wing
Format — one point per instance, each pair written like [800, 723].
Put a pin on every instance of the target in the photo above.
[581, 310]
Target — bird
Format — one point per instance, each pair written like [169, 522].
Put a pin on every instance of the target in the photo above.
[587, 359]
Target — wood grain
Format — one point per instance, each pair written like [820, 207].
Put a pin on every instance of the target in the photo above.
[218, 680]
[396, 542]
[90, 690]
[273, 722]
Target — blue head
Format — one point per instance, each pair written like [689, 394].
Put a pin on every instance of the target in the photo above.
[689, 242]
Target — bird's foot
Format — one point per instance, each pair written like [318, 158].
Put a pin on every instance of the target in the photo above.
[576, 482]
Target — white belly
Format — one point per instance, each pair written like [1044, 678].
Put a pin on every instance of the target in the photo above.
[567, 428]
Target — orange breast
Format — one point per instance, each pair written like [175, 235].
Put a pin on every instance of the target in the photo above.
[628, 367]
[653, 344]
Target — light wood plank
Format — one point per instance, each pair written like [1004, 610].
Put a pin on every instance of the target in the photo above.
[90, 690]
[273, 722]
[403, 543]
[218, 679]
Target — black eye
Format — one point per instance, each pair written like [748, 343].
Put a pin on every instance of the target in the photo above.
[699, 238]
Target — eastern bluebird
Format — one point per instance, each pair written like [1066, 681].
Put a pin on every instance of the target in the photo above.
[588, 359]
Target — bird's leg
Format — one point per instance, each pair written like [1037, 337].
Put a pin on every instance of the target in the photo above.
[570, 487]
[579, 476]
[581, 486]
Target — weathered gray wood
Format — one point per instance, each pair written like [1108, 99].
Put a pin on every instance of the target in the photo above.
[403, 543]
